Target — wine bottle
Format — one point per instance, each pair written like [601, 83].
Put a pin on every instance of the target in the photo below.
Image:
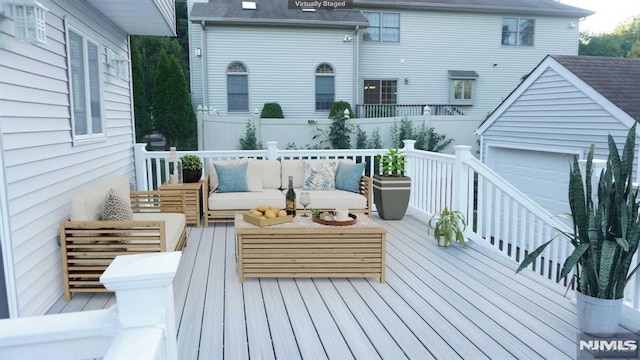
[291, 199]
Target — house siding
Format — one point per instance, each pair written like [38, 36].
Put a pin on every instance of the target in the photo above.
[432, 42]
[195, 62]
[281, 63]
[554, 114]
[43, 168]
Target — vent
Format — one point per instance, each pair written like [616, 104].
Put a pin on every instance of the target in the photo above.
[248, 5]
[309, 9]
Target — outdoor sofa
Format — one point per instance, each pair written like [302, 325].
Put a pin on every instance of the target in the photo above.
[137, 222]
[267, 182]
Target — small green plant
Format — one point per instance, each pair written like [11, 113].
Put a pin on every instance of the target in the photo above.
[448, 225]
[271, 111]
[391, 163]
[340, 132]
[361, 138]
[250, 139]
[191, 162]
[375, 142]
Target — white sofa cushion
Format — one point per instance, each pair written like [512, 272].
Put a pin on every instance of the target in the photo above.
[295, 168]
[333, 199]
[88, 205]
[270, 170]
[245, 200]
[174, 223]
[254, 173]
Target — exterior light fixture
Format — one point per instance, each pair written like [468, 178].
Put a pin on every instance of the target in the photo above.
[28, 20]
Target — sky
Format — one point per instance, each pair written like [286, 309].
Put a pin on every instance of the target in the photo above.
[609, 13]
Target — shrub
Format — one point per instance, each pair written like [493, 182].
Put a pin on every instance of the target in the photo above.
[337, 108]
[340, 132]
[250, 139]
[425, 136]
[375, 142]
[271, 111]
[361, 138]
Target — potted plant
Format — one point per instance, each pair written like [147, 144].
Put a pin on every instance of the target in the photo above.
[605, 238]
[391, 189]
[448, 225]
[191, 168]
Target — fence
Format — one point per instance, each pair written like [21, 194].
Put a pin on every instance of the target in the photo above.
[141, 326]
[224, 132]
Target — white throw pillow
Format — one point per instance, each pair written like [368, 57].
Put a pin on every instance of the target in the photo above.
[320, 176]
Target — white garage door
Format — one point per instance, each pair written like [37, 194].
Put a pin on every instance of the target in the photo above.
[543, 176]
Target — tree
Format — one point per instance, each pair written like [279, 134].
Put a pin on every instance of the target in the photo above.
[622, 42]
[172, 109]
[144, 126]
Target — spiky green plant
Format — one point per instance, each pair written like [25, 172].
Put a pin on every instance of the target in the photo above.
[392, 163]
[448, 225]
[605, 235]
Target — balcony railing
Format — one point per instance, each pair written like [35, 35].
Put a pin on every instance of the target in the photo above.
[499, 215]
[394, 110]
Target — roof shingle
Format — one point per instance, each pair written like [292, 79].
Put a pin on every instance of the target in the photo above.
[617, 79]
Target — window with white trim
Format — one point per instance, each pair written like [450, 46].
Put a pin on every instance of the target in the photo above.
[462, 87]
[325, 87]
[237, 87]
[86, 86]
[383, 27]
[518, 32]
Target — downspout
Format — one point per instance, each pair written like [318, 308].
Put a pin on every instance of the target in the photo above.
[205, 75]
[356, 68]
[6, 242]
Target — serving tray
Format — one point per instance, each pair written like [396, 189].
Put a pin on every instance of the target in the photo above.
[353, 220]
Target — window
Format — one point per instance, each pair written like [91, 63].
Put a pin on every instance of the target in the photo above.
[86, 92]
[325, 87]
[462, 84]
[237, 87]
[380, 91]
[383, 27]
[518, 32]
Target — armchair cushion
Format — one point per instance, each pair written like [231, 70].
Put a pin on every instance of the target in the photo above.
[88, 206]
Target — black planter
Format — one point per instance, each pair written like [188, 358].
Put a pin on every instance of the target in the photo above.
[391, 196]
[191, 176]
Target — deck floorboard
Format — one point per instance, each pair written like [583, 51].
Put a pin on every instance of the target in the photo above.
[437, 303]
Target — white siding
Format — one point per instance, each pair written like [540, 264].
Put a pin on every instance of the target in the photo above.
[554, 114]
[43, 168]
[195, 62]
[433, 42]
[281, 64]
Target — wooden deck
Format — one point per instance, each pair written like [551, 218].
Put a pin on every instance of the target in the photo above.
[437, 303]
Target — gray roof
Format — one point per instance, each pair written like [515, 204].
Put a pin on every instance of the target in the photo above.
[274, 12]
[617, 79]
[462, 74]
[533, 7]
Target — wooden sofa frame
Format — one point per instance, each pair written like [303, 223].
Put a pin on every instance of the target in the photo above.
[228, 215]
[88, 247]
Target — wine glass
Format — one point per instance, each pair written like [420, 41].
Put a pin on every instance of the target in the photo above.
[305, 200]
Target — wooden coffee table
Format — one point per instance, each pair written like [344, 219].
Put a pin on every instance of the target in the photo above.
[303, 248]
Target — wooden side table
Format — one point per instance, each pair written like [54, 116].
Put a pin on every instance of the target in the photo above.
[193, 196]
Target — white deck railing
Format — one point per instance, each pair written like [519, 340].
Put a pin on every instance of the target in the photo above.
[144, 314]
[499, 215]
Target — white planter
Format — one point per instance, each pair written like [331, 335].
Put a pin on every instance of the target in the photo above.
[598, 317]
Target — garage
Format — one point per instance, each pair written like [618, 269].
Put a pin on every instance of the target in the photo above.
[541, 175]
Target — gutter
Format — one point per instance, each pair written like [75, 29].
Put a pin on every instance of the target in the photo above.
[278, 22]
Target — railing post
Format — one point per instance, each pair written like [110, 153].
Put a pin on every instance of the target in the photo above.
[140, 163]
[272, 150]
[143, 285]
[461, 180]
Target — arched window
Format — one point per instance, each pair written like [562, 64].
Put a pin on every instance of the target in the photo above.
[237, 87]
[325, 87]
